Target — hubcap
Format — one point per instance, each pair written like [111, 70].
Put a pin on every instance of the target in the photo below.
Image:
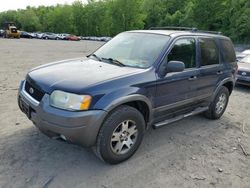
[220, 105]
[124, 137]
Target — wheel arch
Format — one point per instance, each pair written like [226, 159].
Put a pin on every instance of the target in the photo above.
[229, 83]
[137, 101]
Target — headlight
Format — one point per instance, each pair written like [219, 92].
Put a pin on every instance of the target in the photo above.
[69, 101]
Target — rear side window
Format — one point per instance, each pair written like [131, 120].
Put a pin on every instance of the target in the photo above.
[209, 52]
[184, 50]
[228, 53]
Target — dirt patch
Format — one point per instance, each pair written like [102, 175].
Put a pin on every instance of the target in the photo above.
[194, 152]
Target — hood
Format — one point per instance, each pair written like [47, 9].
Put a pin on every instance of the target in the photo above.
[75, 75]
[244, 66]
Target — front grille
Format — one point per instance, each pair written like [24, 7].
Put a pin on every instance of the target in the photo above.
[246, 73]
[33, 91]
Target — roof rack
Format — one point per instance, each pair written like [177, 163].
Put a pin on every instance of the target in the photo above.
[211, 32]
[174, 28]
[193, 29]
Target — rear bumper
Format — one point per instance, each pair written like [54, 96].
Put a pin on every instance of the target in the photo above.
[77, 127]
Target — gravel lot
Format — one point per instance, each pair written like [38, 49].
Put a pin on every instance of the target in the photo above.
[194, 152]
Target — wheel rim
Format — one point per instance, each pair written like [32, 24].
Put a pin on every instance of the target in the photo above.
[124, 137]
[220, 105]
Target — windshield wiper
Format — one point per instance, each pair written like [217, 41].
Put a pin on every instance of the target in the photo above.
[114, 61]
[95, 56]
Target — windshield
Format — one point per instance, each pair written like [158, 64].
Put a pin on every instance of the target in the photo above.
[134, 49]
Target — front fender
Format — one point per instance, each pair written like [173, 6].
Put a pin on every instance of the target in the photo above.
[114, 99]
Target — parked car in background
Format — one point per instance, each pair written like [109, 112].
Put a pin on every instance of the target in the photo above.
[83, 38]
[73, 38]
[63, 36]
[105, 39]
[38, 35]
[32, 34]
[1, 32]
[89, 38]
[243, 54]
[25, 34]
[48, 35]
[243, 74]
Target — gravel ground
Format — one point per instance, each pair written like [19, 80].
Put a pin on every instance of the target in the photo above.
[194, 152]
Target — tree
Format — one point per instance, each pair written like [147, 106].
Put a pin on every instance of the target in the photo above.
[109, 17]
[29, 21]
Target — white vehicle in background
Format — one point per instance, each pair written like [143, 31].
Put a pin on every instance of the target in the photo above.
[63, 36]
[93, 38]
[50, 36]
[33, 35]
[243, 54]
[38, 35]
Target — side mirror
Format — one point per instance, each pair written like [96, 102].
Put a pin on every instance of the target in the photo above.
[175, 66]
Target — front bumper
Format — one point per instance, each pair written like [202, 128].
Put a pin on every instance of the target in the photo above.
[76, 127]
[243, 80]
[14, 35]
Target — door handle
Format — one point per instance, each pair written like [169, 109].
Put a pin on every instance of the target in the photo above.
[219, 72]
[192, 78]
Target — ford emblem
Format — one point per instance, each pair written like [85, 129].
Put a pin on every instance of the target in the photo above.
[244, 73]
[31, 90]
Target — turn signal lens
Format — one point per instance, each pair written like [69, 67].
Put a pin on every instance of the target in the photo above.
[85, 103]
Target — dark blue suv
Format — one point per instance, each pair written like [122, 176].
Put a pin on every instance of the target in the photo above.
[137, 80]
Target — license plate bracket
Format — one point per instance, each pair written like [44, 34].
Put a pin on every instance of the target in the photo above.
[25, 108]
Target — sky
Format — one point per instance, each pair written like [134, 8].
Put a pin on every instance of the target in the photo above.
[22, 4]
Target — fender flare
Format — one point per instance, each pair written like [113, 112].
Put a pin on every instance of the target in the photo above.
[226, 80]
[119, 100]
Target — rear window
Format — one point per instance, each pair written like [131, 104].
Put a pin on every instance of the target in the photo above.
[228, 53]
[209, 52]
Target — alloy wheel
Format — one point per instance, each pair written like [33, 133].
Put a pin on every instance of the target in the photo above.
[124, 137]
[221, 104]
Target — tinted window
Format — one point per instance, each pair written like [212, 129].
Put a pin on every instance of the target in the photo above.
[183, 50]
[228, 51]
[209, 52]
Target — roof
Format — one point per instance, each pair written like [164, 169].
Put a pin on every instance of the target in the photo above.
[176, 33]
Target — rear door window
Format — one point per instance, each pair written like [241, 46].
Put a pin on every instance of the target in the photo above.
[209, 53]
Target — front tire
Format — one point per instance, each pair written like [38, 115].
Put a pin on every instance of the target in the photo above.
[219, 105]
[120, 135]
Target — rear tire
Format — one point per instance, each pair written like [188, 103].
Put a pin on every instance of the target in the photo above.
[219, 105]
[120, 135]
